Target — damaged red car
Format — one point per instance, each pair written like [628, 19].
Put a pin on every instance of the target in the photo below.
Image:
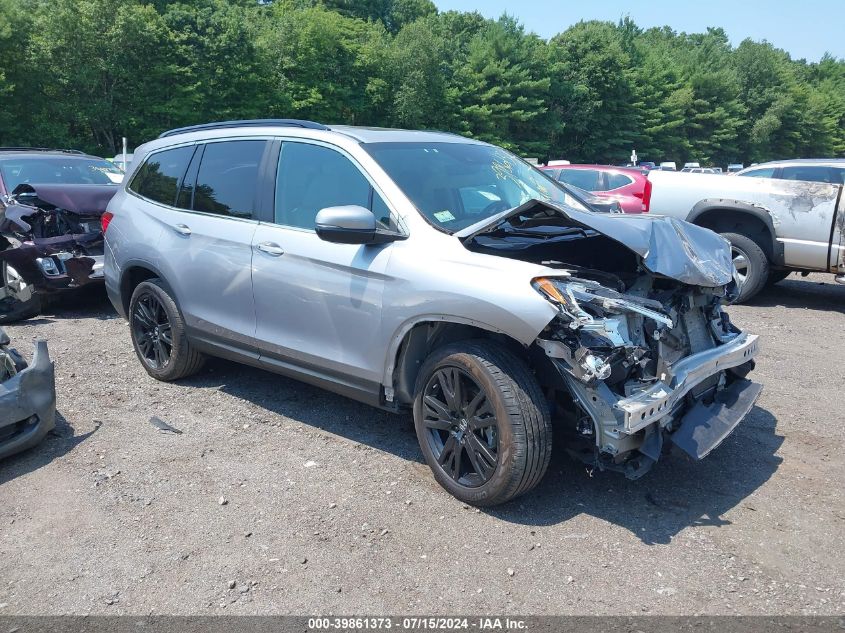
[51, 238]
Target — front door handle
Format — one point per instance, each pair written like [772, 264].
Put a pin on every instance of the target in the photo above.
[182, 229]
[271, 248]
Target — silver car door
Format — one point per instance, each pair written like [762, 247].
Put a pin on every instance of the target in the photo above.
[206, 244]
[318, 304]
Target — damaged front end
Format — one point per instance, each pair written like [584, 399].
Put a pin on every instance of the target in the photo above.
[27, 397]
[50, 240]
[640, 351]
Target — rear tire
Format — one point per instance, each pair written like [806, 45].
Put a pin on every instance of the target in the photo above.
[158, 333]
[751, 263]
[489, 439]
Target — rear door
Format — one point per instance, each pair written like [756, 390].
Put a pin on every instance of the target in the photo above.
[318, 304]
[208, 217]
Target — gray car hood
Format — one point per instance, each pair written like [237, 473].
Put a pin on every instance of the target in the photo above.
[667, 246]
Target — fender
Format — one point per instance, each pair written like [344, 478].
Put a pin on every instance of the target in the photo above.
[740, 207]
[125, 278]
[401, 332]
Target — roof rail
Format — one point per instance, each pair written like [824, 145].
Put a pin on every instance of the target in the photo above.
[40, 149]
[311, 125]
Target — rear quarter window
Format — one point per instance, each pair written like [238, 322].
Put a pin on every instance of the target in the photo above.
[809, 173]
[159, 177]
[615, 181]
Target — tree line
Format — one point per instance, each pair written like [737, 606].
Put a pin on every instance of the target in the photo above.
[84, 73]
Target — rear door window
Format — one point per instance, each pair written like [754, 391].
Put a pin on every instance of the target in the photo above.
[587, 179]
[159, 177]
[228, 179]
[810, 173]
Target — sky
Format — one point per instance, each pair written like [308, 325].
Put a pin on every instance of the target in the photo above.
[805, 29]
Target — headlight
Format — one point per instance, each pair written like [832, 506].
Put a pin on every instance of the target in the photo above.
[570, 294]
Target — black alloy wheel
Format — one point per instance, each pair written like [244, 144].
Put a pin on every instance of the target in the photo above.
[482, 421]
[462, 429]
[152, 331]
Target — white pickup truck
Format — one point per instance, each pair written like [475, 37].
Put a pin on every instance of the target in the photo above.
[774, 226]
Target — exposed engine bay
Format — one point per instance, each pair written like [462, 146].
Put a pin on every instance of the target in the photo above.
[50, 239]
[641, 349]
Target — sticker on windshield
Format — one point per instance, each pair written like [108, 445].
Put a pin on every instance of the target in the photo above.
[444, 216]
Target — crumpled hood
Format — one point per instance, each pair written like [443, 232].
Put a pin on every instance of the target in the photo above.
[87, 199]
[668, 246]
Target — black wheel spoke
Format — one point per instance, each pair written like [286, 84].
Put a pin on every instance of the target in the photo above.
[484, 418]
[152, 331]
[479, 401]
[458, 416]
[165, 335]
[439, 425]
[144, 316]
[448, 449]
[480, 457]
[456, 462]
[163, 352]
[450, 387]
[478, 447]
[436, 409]
[450, 458]
[146, 345]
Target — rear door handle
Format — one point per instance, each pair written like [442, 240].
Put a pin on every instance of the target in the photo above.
[182, 229]
[271, 248]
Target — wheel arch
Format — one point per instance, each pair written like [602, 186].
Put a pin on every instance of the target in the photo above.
[736, 216]
[415, 340]
[135, 272]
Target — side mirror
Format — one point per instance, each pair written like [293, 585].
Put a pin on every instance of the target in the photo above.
[349, 224]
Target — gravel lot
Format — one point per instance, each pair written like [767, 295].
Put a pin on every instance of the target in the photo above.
[281, 498]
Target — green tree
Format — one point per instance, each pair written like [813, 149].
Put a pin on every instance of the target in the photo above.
[106, 70]
[221, 70]
[591, 67]
[325, 66]
[501, 87]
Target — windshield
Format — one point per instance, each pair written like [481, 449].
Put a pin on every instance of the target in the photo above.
[48, 170]
[455, 185]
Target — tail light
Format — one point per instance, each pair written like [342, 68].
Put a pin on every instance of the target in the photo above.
[105, 219]
[647, 196]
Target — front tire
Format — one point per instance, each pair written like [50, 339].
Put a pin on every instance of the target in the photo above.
[482, 422]
[751, 264]
[158, 333]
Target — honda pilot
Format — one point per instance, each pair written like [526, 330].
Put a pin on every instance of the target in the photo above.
[427, 272]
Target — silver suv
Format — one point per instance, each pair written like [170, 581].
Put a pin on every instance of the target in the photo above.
[429, 272]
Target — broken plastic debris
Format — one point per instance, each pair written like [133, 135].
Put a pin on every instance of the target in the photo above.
[161, 425]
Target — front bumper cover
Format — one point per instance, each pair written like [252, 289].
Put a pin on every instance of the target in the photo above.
[28, 404]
